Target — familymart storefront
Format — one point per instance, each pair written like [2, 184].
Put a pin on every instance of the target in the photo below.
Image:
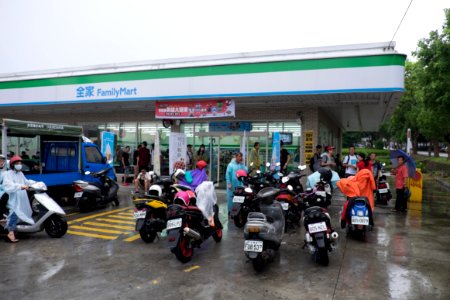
[312, 95]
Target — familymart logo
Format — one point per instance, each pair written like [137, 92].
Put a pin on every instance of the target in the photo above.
[93, 92]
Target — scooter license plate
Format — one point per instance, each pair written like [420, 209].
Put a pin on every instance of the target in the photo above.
[317, 227]
[360, 220]
[140, 214]
[175, 223]
[285, 205]
[78, 195]
[383, 191]
[238, 199]
[253, 246]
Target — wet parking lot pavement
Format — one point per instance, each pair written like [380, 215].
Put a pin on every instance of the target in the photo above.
[101, 257]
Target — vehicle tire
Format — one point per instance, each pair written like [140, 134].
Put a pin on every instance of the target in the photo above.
[322, 257]
[55, 226]
[147, 236]
[182, 251]
[217, 235]
[240, 219]
[258, 264]
[116, 201]
[384, 200]
[85, 204]
[363, 234]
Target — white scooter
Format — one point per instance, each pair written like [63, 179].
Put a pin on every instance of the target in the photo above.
[47, 214]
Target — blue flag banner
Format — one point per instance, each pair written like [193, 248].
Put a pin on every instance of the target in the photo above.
[275, 151]
[108, 146]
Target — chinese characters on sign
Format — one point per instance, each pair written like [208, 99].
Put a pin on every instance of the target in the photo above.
[92, 92]
[194, 109]
[309, 148]
[177, 149]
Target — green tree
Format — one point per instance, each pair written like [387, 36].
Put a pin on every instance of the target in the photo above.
[433, 78]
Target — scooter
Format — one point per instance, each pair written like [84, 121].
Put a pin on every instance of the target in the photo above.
[187, 227]
[358, 217]
[47, 214]
[89, 195]
[320, 238]
[383, 194]
[264, 230]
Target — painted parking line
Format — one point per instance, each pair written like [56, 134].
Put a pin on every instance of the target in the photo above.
[125, 214]
[117, 221]
[109, 225]
[97, 229]
[192, 269]
[133, 238]
[98, 215]
[122, 217]
[94, 235]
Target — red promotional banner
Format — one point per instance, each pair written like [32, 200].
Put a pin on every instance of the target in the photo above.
[194, 109]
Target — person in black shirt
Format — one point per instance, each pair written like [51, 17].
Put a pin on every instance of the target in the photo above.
[135, 162]
[125, 164]
[285, 157]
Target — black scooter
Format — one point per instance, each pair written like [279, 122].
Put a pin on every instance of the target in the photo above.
[89, 195]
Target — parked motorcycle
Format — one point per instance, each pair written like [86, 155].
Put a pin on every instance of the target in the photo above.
[320, 238]
[383, 193]
[150, 210]
[188, 226]
[89, 195]
[47, 214]
[291, 205]
[358, 217]
[264, 230]
[243, 203]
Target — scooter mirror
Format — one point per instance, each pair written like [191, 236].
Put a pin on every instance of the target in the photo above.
[302, 167]
[278, 164]
[280, 174]
[109, 162]
[251, 164]
[248, 190]
[87, 172]
[258, 171]
[383, 164]
[284, 179]
[268, 164]
[290, 188]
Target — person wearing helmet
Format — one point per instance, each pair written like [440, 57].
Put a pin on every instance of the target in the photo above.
[232, 181]
[16, 185]
[3, 195]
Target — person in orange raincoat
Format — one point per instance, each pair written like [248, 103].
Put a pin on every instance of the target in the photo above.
[362, 184]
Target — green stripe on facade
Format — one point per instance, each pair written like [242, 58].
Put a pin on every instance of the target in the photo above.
[247, 68]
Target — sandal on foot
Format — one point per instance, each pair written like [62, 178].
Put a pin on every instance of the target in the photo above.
[10, 240]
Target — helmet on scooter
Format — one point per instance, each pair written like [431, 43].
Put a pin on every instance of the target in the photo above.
[2, 157]
[325, 174]
[201, 164]
[182, 198]
[241, 175]
[14, 159]
[155, 190]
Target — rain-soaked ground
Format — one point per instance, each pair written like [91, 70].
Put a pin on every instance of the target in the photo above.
[405, 257]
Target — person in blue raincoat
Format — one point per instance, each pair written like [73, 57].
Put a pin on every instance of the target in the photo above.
[16, 185]
[232, 181]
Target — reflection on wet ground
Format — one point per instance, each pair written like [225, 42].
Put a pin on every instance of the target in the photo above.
[404, 257]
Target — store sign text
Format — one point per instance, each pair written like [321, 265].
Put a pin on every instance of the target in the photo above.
[93, 92]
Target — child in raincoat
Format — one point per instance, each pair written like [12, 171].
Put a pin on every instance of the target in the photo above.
[232, 181]
[16, 185]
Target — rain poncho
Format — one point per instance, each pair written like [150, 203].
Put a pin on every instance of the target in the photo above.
[2, 173]
[198, 176]
[362, 184]
[18, 199]
[315, 178]
[231, 178]
[206, 199]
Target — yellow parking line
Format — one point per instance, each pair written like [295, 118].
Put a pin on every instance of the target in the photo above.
[122, 217]
[192, 269]
[98, 215]
[72, 214]
[108, 225]
[133, 238]
[117, 221]
[125, 214]
[99, 236]
[96, 229]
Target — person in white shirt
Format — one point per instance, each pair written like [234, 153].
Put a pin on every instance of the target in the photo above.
[349, 162]
[142, 181]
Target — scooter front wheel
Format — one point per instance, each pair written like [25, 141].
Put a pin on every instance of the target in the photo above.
[258, 263]
[147, 235]
[183, 251]
[55, 226]
[240, 219]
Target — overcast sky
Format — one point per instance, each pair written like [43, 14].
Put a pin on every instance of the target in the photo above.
[48, 34]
